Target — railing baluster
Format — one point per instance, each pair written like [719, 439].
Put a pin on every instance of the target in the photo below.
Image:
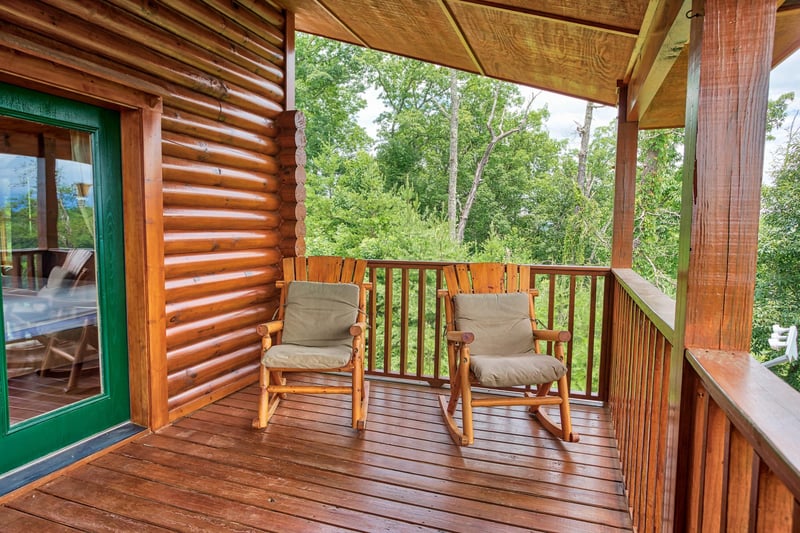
[404, 298]
[388, 303]
[421, 321]
[397, 332]
[373, 320]
[590, 337]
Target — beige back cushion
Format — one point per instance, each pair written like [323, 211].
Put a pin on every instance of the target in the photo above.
[320, 314]
[501, 322]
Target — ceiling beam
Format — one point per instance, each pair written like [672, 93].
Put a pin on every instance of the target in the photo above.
[611, 28]
[461, 37]
[665, 32]
[342, 23]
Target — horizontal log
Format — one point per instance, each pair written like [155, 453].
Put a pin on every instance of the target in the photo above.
[293, 193]
[291, 176]
[186, 147]
[208, 349]
[186, 242]
[181, 218]
[265, 11]
[232, 9]
[290, 211]
[183, 99]
[186, 171]
[181, 194]
[191, 377]
[211, 41]
[144, 38]
[293, 158]
[291, 120]
[293, 228]
[188, 401]
[216, 131]
[208, 306]
[204, 285]
[210, 327]
[181, 266]
[65, 67]
[292, 139]
[69, 29]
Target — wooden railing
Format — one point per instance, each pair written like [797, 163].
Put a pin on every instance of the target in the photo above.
[744, 463]
[641, 343]
[27, 268]
[738, 461]
[406, 338]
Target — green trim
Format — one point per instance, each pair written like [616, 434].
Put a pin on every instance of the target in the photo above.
[35, 438]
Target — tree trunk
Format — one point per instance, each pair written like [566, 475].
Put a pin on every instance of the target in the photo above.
[585, 132]
[452, 188]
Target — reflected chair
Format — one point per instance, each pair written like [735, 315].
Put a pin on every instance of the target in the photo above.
[493, 343]
[320, 327]
[42, 318]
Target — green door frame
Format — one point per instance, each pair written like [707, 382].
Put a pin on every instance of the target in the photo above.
[42, 435]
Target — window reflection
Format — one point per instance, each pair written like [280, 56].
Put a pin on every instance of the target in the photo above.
[47, 243]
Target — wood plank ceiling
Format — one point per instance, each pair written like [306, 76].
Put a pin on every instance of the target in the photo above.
[580, 48]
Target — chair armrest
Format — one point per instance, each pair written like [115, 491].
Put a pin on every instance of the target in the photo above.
[463, 337]
[268, 328]
[359, 328]
[552, 335]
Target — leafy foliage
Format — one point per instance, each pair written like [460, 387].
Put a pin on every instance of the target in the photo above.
[387, 198]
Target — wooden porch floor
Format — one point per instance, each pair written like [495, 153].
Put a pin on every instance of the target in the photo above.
[310, 472]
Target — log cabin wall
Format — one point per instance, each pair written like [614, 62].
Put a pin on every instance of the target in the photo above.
[220, 69]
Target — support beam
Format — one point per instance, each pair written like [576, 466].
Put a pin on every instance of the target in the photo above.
[47, 196]
[289, 54]
[624, 186]
[729, 62]
[665, 32]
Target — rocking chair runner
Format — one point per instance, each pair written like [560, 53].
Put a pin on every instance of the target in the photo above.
[320, 328]
[492, 342]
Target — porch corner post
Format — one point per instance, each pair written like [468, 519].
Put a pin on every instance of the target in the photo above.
[289, 52]
[624, 185]
[730, 54]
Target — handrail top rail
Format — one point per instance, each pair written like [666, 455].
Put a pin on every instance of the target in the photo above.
[657, 306]
[759, 404]
[540, 269]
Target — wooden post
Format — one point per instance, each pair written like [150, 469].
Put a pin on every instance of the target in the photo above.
[726, 102]
[289, 39]
[47, 196]
[624, 185]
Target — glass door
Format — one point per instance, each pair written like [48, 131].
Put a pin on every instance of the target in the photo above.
[63, 362]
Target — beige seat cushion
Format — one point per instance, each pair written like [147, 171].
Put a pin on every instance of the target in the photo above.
[307, 357]
[316, 326]
[502, 354]
[516, 369]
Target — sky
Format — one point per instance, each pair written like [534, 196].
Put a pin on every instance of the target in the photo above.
[566, 112]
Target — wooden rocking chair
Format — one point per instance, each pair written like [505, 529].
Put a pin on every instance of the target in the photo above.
[320, 327]
[492, 342]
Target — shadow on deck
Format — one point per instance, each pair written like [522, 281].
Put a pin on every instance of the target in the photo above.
[308, 471]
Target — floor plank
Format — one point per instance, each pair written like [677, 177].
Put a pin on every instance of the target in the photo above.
[310, 471]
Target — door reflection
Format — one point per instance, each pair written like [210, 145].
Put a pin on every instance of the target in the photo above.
[47, 248]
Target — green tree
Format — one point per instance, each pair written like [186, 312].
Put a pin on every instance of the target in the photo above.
[777, 296]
